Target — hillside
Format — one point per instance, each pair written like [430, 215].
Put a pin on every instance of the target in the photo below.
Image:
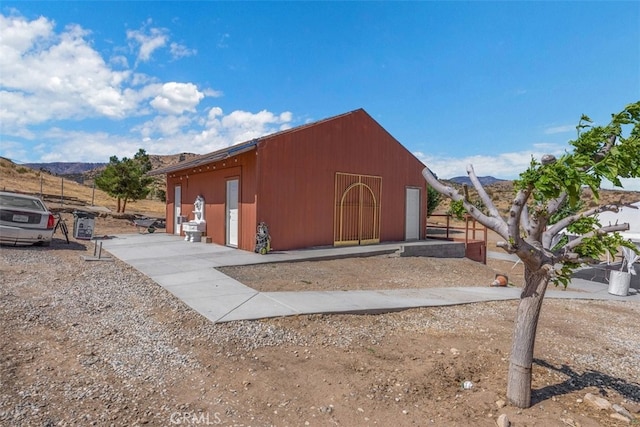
[64, 194]
[72, 168]
[64, 168]
[502, 194]
[68, 185]
[484, 180]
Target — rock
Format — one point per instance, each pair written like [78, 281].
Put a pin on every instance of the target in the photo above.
[597, 401]
[455, 351]
[570, 422]
[622, 411]
[617, 416]
[503, 421]
[326, 409]
[634, 408]
[501, 403]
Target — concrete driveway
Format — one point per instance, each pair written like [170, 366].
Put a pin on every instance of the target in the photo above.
[188, 270]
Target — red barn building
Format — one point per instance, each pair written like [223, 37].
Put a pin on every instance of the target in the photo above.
[340, 181]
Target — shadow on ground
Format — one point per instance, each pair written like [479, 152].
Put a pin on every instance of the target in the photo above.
[577, 381]
[61, 243]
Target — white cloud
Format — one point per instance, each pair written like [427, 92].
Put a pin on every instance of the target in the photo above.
[242, 125]
[506, 165]
[222, 41]
[212, 93]
[239, 126]
[181, 51]
[560, 129]
[503, 166]
[18, 35]
[176, 98]
[163, 126]
[51, 77]
[629, 184]
[147, 43]
[120, 61]
[84, 146]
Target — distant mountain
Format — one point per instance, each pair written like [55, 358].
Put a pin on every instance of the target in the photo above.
[158, 161]
[65, 168]
[78, 168]
[484, 180]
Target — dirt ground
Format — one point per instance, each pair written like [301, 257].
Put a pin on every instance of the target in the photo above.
[375, 272]
[100, 344]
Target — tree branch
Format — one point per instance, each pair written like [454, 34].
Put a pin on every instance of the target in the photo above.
[513, 223]
[599, 232]
[482, 193]
[541, 221]
[576, 259]
[496, 224]
[600, 155]
[525, 220]
[555, 204]
[556, 228]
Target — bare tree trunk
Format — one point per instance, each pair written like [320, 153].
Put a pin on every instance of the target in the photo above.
[519, 379]
[118, 199]
[124, 205]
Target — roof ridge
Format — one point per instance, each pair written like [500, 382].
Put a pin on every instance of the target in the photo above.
[244, 146]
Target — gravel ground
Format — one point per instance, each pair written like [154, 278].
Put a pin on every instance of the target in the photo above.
[98, 343]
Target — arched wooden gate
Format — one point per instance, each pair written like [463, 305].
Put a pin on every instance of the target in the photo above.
[357, 209]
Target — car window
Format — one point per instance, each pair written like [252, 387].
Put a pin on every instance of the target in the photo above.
[9, 201]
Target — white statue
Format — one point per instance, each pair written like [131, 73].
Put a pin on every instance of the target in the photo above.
[199, 209]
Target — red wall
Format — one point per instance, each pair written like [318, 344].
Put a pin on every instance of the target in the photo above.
[209, 181]
[296, 179]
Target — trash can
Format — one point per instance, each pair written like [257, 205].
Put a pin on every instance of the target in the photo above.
[83, 224]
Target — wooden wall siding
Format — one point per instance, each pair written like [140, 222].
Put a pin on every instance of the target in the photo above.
[211, 184]
[357, 209]
[296, 179]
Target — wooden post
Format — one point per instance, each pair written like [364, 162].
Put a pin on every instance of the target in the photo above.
[486, 238]
[62, 192]
[93, 192]
[448, 216]
[466, 231]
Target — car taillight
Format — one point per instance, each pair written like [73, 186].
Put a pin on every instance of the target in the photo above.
[51, 222]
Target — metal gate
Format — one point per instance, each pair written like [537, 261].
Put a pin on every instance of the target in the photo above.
[357, 209]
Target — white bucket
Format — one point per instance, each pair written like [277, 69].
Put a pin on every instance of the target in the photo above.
[619, 282]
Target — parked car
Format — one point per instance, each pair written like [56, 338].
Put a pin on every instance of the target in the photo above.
[24, 220]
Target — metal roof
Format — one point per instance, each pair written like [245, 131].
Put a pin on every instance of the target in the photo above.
[233, 150]
[225, 153]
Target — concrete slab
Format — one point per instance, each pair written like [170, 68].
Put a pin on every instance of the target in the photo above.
[187, 270]
[259, 306]
[199, 275]
[191, 291]
[216, 308]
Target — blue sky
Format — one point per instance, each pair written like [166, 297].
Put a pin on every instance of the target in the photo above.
[487, 83]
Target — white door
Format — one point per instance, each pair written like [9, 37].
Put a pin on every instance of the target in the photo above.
[232, 213]
[177, 208]
[412, 220]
